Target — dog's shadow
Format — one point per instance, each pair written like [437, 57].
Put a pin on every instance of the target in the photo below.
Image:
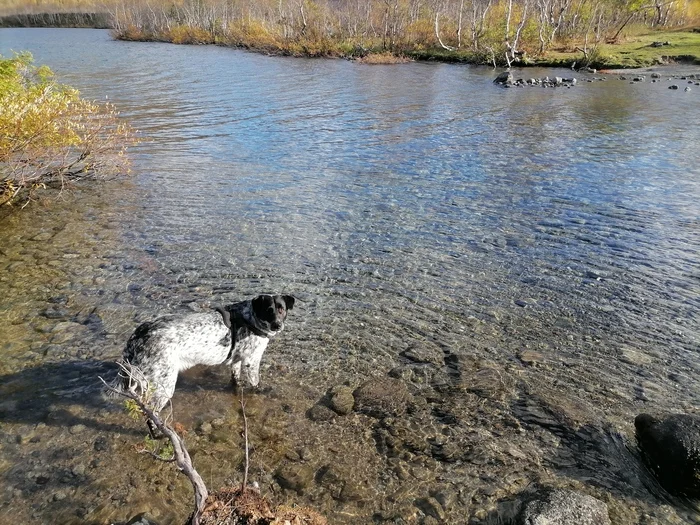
[69, 393]
[61, 394]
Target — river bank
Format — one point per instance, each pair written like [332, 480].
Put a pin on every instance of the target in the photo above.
[638, 49]
[644, 50]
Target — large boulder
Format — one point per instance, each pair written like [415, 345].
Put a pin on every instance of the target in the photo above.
[505, 78]
[563, 507]
[671, 448]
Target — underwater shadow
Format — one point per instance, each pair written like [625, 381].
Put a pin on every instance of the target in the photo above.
[598, 456]
[62, 394]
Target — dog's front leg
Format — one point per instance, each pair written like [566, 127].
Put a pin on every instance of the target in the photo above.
[236, 376]
[252, 366]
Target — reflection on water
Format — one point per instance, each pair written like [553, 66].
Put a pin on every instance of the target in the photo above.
[537, 249]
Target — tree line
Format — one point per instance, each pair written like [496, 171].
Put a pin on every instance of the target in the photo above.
[502, 31]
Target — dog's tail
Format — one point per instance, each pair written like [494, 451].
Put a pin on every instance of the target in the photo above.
[114, 388]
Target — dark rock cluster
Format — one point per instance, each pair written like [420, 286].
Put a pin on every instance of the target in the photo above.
[506, 79]
[671, 447]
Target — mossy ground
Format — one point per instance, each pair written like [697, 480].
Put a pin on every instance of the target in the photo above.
[636, 51]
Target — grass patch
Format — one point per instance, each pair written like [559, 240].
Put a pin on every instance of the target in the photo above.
[638, 51]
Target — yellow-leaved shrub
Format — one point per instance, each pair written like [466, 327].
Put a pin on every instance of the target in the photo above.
[50, 136]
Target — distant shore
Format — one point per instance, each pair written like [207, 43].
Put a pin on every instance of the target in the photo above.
[637, 51]
[85, 20]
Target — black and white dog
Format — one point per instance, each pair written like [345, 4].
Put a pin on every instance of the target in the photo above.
[235, 335]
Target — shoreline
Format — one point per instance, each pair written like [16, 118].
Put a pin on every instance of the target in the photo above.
[658, 48]
[568, 61]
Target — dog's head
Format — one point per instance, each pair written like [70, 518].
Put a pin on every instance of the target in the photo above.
[270, 311]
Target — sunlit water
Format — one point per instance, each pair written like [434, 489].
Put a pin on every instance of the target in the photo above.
[537, 247]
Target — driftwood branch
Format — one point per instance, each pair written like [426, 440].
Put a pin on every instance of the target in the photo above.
[182, 456]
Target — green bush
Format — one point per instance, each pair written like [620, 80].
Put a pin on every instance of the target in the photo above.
[50, 136]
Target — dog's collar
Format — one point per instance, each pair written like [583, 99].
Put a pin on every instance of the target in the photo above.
[238, 318]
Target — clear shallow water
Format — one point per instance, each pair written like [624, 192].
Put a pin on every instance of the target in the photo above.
[540, 246]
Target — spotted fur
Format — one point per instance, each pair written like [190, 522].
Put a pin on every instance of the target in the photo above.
[235, 335]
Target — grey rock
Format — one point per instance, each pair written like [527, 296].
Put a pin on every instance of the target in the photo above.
[655, 75]
[43, 236]
[295, 476]
[530, 357]
[634, 357]
[56, 312]
[382, 397]
[563, 507]
[505, 78]
[431, 507]
[320, 413]
[424, 355]
[671, 448]
[141, 519]
[673, 86]
[77, 429]
[341, 400]
[100, 444]
[353, 491]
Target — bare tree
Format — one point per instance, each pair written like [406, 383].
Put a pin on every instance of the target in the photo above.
[512, 43]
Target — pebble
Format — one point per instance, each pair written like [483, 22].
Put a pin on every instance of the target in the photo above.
[77, 429]
[634, 357]
[530, 357]
[100, 444]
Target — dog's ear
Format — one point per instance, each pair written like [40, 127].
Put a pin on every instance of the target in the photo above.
[289, 301]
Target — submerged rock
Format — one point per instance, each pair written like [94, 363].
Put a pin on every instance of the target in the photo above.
[141, 519]
[295, 476]
[341, 400]
[320, 413]
[671, 447]
[563, 507]
[382, 397]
